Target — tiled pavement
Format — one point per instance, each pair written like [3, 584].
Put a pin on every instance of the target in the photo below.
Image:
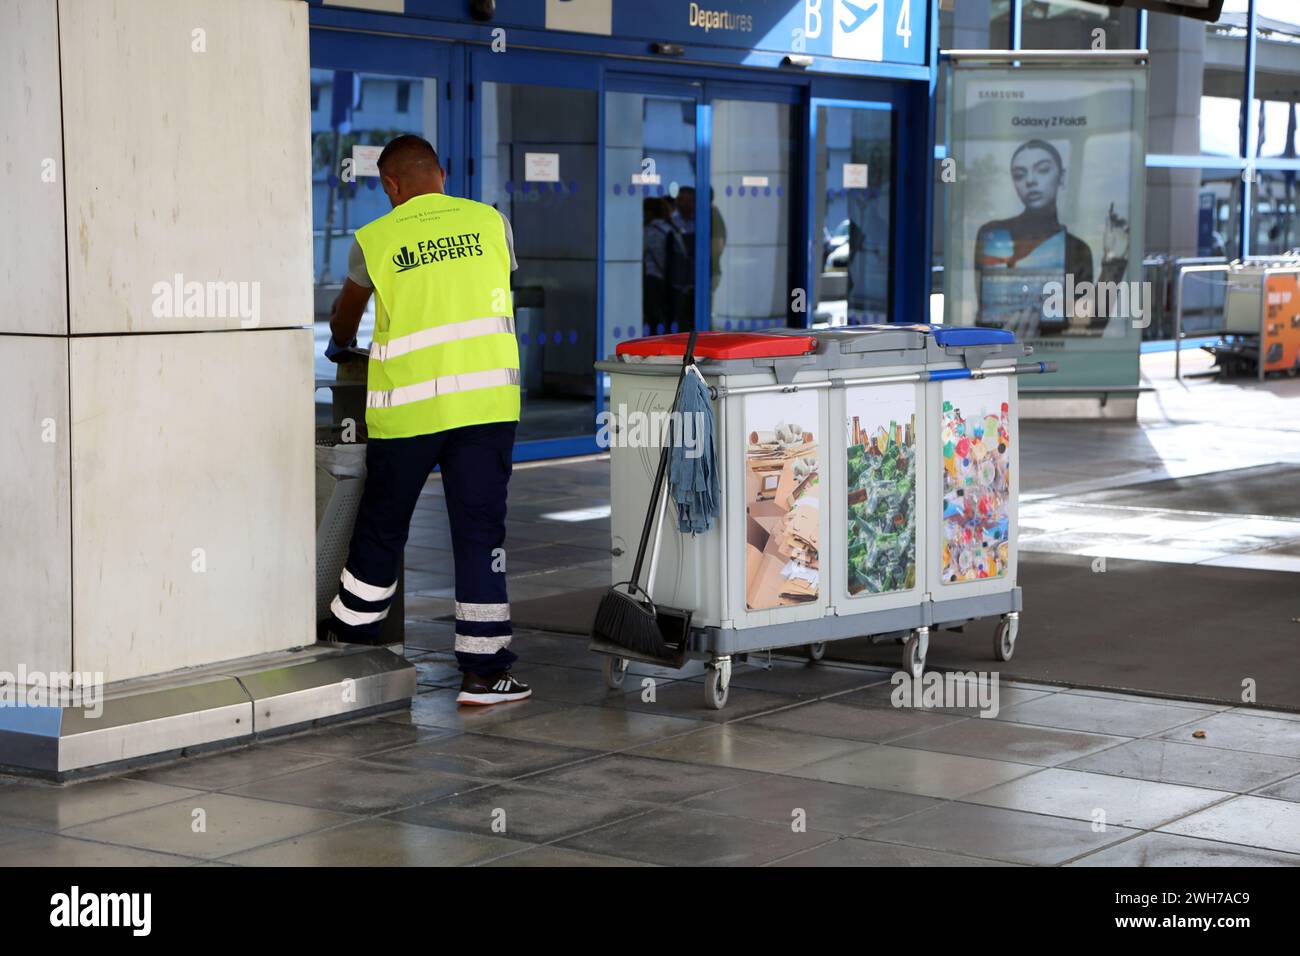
[807, 765]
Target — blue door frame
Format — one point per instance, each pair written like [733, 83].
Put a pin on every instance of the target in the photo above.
[459, 54]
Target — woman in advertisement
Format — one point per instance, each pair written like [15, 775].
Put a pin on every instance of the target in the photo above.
[1018, 259]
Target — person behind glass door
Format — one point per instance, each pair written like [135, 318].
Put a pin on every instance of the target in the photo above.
[681, 259]
[658, 236]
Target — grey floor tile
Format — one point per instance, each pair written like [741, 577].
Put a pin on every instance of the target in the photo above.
[626, 777]
[380, 843]
[521, 813]
[596, 728]
[1274, 714]
[886, 694]
[1241, 730]
[746, 747]
[682, 838]
[438, 709]
[351, 786]
[1018, 743]
[830, 719]
[795, 679]
[52, 849]
[481, 755]
[856, 852]
[229, 824]
[568, 685]
[688, 669]
[685, 698]
[923, 772]
[360, 739]
[1095, 797]
[58, 807]
[1285, 790]
[1123, 718]
[231, 768]
[1169, 762]
[553, 856]
[12, 834]
[1198, 705]
[997, 834]
[536, 647]
[829, 807]
[1251, 821]
[1168, 849]
[437, 672]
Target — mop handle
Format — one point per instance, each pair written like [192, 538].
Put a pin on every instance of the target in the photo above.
[661, 473]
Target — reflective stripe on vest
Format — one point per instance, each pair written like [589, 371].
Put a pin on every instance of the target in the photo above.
[446, 385]
[445, 353]
[441, 334]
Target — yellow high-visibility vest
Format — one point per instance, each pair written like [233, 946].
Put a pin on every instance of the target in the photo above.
[444, 353]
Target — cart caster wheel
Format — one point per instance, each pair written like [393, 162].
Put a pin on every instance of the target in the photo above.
[1004, 639]
[614, 670]
[717, 685]
[817, 651]
[913, 660]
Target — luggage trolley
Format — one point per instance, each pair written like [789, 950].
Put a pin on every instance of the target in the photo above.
[848, 507]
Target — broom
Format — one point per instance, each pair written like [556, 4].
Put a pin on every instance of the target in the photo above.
[625, 619]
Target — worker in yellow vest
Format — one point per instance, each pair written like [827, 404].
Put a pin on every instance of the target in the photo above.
[442, 390]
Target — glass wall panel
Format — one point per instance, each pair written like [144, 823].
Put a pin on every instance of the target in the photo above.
[538, 161]
[751, 267]
[1072, 25]
[852, 173]
[650, 200]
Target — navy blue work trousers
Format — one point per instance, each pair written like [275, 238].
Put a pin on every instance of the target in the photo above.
[476, 465]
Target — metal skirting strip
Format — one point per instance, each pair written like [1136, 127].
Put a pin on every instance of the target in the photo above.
[146, 720]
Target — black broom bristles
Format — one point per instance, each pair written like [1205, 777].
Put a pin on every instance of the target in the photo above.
[623, 620]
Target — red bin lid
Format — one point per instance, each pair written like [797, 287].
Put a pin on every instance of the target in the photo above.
[721, 345]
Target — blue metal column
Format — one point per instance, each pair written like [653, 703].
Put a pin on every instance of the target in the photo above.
[1247, 141]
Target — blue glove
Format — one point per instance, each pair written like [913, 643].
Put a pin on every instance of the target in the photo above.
[334, 351]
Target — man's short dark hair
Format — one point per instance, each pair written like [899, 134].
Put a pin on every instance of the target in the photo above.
[408, 153]
[1045, 146]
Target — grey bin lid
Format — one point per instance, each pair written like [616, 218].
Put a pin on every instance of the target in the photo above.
[850, 339]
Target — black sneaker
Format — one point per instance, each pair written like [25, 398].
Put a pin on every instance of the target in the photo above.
[325, 634]
[497, 689]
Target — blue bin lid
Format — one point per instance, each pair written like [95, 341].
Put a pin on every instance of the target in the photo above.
[962, 336]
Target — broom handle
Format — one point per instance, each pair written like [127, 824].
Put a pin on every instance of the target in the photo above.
[660, 474]
[658, 539]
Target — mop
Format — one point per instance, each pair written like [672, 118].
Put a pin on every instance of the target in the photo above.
[693, 466]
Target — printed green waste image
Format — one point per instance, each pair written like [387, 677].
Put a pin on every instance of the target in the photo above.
[882, 508]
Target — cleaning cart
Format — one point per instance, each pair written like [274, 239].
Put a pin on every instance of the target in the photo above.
[868, 483]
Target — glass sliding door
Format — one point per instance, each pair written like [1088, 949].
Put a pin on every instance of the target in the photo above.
[365, 90]
[851, 195]
[651, 172]
[536, 160]
[753, 176]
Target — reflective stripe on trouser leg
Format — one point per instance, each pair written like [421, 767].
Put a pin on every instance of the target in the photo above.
[396, 470]
[482, 628]
[476, 468]
[359, 603]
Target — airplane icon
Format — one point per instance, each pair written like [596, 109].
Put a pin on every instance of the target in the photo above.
[860, 14]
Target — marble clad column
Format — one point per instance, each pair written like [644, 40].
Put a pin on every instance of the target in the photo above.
[156, 451]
